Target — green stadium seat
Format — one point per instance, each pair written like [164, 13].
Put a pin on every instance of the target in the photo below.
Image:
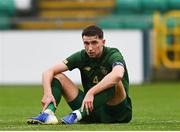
[7, 7]
[126, 22]
[4, 22]
[146, 5]
[152, 5]
[110, 24]
[128, 5]
[174, 4]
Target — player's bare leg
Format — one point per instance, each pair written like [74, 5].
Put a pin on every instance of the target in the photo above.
[69, 89]
[119, 95]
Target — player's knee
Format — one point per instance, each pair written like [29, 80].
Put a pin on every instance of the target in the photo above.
[55, 83]
[61, 77]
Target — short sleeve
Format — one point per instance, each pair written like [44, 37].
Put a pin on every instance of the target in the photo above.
[117, 59]
[73, 61]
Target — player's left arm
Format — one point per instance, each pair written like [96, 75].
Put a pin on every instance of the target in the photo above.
[108, 81]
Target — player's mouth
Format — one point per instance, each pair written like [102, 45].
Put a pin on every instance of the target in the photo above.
[91, 54]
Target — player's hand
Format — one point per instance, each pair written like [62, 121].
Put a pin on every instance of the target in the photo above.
[46, 100]
[88, 102]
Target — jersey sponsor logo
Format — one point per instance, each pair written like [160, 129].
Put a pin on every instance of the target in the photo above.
[95, 80]
[65, 61]
[87, 68]
[103, 70]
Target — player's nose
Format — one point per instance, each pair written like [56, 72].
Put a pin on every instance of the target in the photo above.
[90, 48]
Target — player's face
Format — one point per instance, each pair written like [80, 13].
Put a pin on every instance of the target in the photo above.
[93, 46]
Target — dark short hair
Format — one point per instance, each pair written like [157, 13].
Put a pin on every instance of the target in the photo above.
[93, 31]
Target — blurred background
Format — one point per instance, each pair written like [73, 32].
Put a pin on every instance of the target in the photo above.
[35, 34]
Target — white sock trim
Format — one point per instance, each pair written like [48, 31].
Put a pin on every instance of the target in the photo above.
[49, 111]
[79, 116]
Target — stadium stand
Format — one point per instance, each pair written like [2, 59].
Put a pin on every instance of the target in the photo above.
[136, 14]
[66, 14]
[12, 10]
[167, 41]
[7, 7]
[130, 21]
[75, 14]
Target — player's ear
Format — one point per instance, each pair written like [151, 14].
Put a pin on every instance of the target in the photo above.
[103, 41]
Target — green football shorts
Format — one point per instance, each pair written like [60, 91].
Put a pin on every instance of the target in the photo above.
[121, 113]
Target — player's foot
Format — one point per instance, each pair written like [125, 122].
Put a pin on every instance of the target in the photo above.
[43, 118]
[69, 119]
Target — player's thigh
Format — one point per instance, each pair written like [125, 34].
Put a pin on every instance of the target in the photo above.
[70, 90]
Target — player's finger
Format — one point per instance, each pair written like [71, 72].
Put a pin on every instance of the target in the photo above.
[54, 102]
[42, 104]
[82, 107]
[91, 106]
[87, 108]
[44, 107]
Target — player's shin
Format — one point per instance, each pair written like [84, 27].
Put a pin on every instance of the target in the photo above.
[57, 93]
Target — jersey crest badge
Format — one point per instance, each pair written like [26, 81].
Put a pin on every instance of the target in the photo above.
[65, 61]
[103, 70]
[87, 68]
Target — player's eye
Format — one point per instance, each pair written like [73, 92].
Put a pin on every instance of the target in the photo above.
[86, 43]
[94, 42]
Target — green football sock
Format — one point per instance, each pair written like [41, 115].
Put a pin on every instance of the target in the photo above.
[57, 93]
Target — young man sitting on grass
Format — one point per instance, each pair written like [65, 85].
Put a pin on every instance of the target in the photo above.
[105, 81]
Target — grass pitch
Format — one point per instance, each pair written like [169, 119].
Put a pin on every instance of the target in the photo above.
[156, 106]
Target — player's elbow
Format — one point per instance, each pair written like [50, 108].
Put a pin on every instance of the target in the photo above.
[118, 78]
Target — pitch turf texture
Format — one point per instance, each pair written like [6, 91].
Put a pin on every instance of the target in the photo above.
[156, 106]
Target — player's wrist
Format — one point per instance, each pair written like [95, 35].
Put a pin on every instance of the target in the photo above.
[91, 91]
[47, 91]
[48, 95]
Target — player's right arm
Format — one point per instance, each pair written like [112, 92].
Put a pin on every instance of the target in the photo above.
[47, 77]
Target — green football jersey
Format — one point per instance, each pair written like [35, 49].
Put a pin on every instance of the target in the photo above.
[93, 70]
